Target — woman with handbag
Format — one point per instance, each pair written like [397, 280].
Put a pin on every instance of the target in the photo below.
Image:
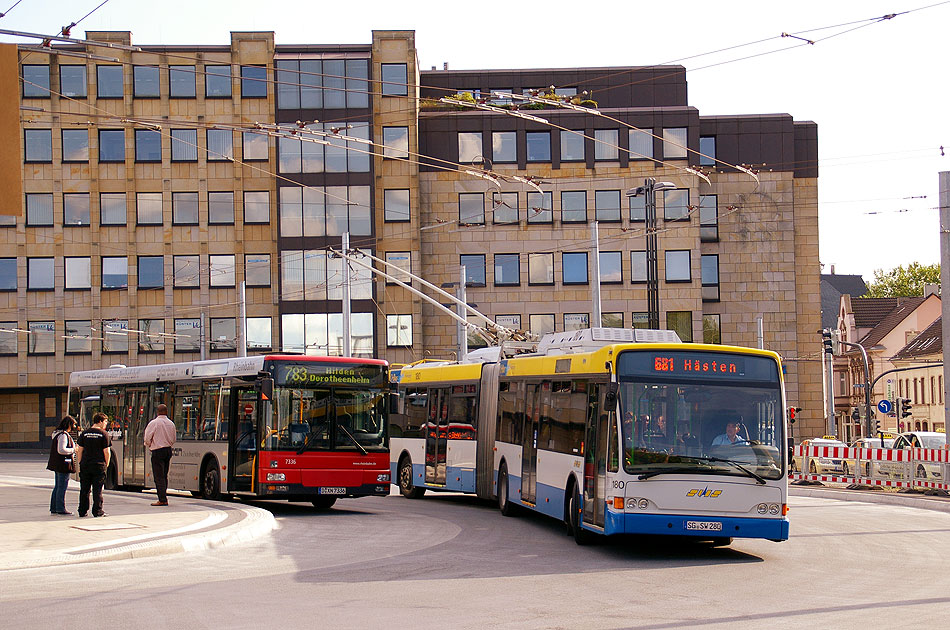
[62, 464]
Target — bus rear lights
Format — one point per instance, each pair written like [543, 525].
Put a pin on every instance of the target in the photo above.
[382, 477]
[635, 503]
[769, 508]
[276, 477]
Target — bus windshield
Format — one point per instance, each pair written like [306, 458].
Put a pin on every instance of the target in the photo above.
[701, 423]
[327, 418]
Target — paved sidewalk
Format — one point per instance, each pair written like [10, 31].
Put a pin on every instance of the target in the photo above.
[32, 537]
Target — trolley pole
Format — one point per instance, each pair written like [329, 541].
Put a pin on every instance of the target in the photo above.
[596, 317]
[346, 296]
[944, 177]
[463, 317]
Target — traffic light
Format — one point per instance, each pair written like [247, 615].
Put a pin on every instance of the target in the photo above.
[903, 408]
[792, 412]
[877, 425]
[826, 339]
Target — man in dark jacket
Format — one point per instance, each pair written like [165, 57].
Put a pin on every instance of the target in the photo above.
[93, 447]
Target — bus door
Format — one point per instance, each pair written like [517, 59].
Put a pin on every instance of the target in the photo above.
[243, 440]
[437, 426]
[133, 447]
[529, 444]
[595, 457]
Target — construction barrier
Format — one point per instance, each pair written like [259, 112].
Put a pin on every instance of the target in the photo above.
[922, 468]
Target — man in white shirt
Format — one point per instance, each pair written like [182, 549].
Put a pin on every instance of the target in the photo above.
[159, 439]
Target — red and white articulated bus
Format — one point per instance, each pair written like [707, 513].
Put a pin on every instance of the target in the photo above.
[299, 428]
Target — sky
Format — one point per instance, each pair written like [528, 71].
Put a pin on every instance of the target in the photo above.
[876, 88]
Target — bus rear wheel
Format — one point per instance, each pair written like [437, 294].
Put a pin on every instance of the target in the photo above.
[323, 503]
[506, 507]
[406, 486]
[210, 481]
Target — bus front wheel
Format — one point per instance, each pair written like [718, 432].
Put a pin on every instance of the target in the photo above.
[210, 481]
[406, 486]
[581, 535]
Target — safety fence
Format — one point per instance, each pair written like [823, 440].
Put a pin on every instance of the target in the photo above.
[922, 468]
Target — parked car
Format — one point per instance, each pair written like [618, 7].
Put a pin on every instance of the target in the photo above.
[923, 439]
[818, 465]
[849, 466]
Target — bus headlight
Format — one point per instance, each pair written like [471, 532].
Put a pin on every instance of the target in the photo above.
[382, 477]
[276, 477]
[773, 509]
[762, 508]
[768, 508]
[636, 503]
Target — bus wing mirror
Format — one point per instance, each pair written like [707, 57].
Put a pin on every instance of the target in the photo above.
[267, 388]
[610, 396]
[393, 402]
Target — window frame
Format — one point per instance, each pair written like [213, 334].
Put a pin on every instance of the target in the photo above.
[144, 140]
[667, 194]
[670, 263]
[393, 341]
[139, 196]
[635, 265]
[572, 256]
[85, 80]
[390, 85]
[476, 200]
[392, 151]
[30, 272]
[110, 68]
[184, 144]
[503, 142]
[46, 151]
[102, 268]
[212, 75]
[570, 141]
[537, 256]
[537, 136]
[680, 136]
[30, 212]
[390, 216]
[111, 133]
[33, 88]
[706, 281]
[619, 207]
[139, 276]
[257, 83]
[136, 70]
[85, 209]
[471, 147]
[249, 278]
[539, 217]
[212, 155]
[479, 263]
[179, 262]
[64, 142]
[5, 262]
[253, 204]
[606, 149]
[619, 265]
[573, 195]
[181, 202]
[215, 266]
[214, 202]
[500, 258]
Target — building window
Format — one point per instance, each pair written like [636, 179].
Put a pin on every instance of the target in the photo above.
[712, 332]
[112, 145]
[316, 84]
[115, 272]
[398, 331]
[8, 338]
[72, 81]
[145, 82]
[186, 271]
[112, 209]
[709, 265]
[185, 208]
[109, 82]
[187, 335]
[39, 274]
[76, 209]
[257, 270]
[676, 204]
[605, 144]
[8, 280]
[152, 337]
[184, 145]
[221, 270]
[311, 275]
[474, 265]
[639, 320]
[151, 272]
[574, 268]
[541, 324]
[472, 208]
[395, 80]
[35, 80]
[610, 265]
[539, 207]
[641, 144]
[504, 147]
[680, 322]
[572, 146]
[707, 150]
[221, 208]
[576, 321]
[470, 147]
[509, 321]
[253, 82]
[402, 266]
[329, 211]
[395, 142]
[541, 268]
[638, 208]
[396, 205]
[674, 142]
[574, 206]
[507, 270]
[322, 333]
[256, 207]
[296, 155]
[607, 205]
[611, 320]
[538, 146]
[148, 145]
[259, 333]
[223, 334]
[708, 218]
[255, 146]
[677, 266]
[505, 207]
[220, 145]
[217, 83]
[42, 337]
[38, 145]
[181, 81]
[75, 145]
[148, 208]
[638, 266]
[39, 209]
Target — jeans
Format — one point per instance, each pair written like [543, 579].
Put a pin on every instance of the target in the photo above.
[161, 458]
[57, 501]
[92, 478]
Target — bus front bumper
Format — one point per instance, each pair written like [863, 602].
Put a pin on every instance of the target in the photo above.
[775, 529]
[300, 492]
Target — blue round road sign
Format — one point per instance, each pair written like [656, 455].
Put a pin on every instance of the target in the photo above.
[884, 406]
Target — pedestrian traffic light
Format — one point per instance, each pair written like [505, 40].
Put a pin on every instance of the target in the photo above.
[826, 340]
[903, 408]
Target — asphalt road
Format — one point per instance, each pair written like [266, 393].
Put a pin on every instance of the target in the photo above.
[453, 562]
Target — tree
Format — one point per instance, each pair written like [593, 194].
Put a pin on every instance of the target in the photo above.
[902, 282]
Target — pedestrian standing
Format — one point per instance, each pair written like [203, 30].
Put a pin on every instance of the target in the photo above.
[159, 439]
[61, 463]
[94, 449]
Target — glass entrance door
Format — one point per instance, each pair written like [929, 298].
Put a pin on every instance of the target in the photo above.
[135, 419]
[243, 440]
[529, 445]
[595, 457]
[437, 425]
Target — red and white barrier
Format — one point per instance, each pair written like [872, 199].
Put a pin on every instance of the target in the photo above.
[885, 467]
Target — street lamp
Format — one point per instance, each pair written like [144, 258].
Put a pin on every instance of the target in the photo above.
[649, 190]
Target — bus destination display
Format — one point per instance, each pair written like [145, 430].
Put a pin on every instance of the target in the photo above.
[699, 365]
[316, 374]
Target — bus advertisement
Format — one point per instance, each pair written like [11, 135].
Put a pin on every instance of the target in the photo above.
[299, 428]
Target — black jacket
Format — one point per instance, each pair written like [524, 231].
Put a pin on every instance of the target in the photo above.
[58, 462]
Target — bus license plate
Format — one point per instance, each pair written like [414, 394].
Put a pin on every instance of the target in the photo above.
[704, 526]
[332, 491]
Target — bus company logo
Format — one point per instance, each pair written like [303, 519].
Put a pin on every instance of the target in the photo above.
[704, 493]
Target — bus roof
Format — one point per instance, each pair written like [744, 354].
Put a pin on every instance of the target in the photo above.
[431, 372]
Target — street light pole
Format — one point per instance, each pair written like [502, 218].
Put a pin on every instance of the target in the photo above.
[866, 429]
[649, 190]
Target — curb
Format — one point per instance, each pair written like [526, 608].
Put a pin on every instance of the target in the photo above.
[916, 501]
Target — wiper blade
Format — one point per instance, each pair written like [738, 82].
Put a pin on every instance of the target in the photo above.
[702, 471]
[352, 439]
[760, 480]
[306, 442]
[669, 471]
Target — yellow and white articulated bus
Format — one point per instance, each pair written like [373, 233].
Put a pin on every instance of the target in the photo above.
[615, 431]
